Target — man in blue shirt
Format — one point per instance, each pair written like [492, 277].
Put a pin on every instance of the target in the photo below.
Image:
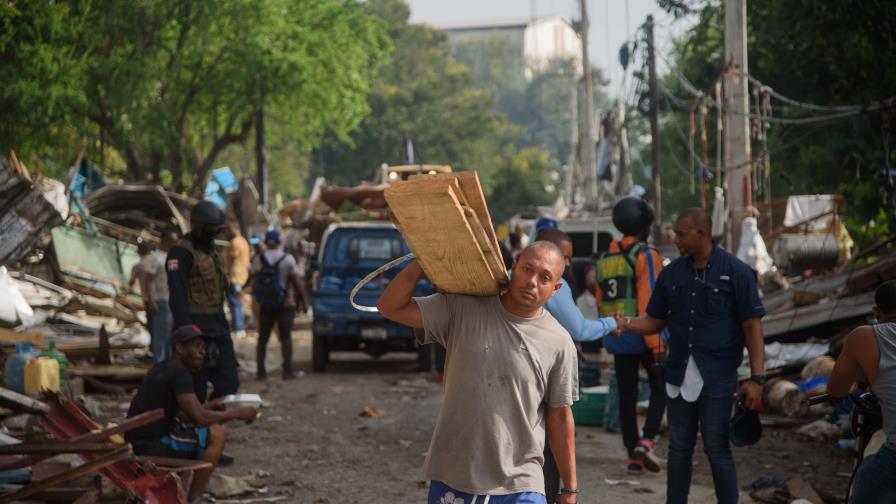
[563, 307]
[709, 302]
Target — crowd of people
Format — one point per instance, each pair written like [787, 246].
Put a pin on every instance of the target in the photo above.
[185, 285]
[505, 432]
[686, 324]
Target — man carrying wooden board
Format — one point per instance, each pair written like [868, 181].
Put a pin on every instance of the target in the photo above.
[512, 375]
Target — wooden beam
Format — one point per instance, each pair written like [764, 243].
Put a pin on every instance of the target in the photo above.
[21, 403]
[472, 190]
[56, 447]
[56, 479]
[92, 437]
[430, 216]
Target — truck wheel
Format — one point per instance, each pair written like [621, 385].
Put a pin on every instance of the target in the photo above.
[320, 353]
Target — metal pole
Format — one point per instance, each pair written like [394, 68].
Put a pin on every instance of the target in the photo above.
[588, 153]
[261, 159]
[654, 126]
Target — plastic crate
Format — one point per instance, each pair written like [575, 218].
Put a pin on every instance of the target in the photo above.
[589, 409]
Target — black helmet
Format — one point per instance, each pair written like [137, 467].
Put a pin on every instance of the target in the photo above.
[632, 216]
[206, 220]
[745, 428]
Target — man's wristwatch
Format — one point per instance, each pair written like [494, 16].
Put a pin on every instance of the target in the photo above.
[760, 379]
[573, 491]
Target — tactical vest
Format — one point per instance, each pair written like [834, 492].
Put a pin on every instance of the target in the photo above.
[206, 281]
[615, 273]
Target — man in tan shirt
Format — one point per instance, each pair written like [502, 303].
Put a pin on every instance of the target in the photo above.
[236, 264]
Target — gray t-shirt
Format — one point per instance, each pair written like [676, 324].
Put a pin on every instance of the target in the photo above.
[501, 372]
[284, 269]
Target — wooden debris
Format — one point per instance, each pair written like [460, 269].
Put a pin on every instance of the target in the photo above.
[21, 403]
[785, 397]
[372, 412]
[801, 489]
[446, 223]
[87, 468]
[820, 366]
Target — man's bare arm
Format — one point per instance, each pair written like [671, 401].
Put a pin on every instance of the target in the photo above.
[642, 325]
[561, 437]
[396, 302]
[196, 413]
[848, 368]
[755, 343]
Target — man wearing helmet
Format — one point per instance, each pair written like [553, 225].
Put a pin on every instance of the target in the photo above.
[198, 286]
[625, 277]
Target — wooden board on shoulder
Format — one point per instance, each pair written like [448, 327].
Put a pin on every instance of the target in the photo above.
[451, 237]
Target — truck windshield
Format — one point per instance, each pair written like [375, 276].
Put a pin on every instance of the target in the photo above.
[363, 248]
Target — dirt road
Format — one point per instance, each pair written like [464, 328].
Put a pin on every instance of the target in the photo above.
[319, 449]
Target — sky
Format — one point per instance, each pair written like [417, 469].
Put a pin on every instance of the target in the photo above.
[612, 22]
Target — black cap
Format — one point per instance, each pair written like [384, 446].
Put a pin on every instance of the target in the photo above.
[186, 333]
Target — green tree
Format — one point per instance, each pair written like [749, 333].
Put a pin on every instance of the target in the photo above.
[170, 85]
[422, 94]
[42, 73]
[827, 53]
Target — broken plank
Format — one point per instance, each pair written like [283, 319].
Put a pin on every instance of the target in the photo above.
[21, 403]
[472, 190]
[52, 481]
[92, 437]
[430, 216]
[801, 489]
[56, 447]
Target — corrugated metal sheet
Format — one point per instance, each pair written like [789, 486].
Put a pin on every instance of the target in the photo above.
[25, 212]
[99, 262]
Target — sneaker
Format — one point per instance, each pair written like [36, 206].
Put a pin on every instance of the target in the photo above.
[645, 454]
[635, 466]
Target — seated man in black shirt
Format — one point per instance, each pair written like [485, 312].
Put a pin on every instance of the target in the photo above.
[189, 429]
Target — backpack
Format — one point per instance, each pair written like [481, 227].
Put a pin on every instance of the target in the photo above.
[268, 290]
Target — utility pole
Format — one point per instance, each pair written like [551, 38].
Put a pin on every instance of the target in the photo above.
[588, 134]
[654, 126]
[261, 160]
[571, 165]
[736, 102]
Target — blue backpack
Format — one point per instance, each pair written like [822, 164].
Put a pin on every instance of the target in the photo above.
[269, 291]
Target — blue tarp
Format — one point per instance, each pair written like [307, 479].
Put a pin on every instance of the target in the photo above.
[221, 183]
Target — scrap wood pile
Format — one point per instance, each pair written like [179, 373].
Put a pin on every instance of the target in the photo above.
[807, 321]
[70, 329]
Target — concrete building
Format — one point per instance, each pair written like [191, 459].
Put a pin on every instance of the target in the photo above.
[539, 39]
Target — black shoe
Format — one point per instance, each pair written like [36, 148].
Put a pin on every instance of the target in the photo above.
[225, 460]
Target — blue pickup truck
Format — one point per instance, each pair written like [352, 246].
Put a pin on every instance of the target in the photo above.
[349, 252]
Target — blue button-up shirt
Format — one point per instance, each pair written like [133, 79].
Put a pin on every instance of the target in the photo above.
[703, 313]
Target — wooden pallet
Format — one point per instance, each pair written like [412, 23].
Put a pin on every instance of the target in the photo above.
[445, 220]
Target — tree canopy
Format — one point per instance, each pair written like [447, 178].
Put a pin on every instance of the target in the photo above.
[168, 85]
[824, 53]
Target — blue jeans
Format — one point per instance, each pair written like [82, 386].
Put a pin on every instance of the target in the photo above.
[161, 326]
[440, 493]
[236, 310]
[875, 483]
[710, 413]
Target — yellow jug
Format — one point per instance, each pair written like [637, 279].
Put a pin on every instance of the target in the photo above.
[41, 375]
